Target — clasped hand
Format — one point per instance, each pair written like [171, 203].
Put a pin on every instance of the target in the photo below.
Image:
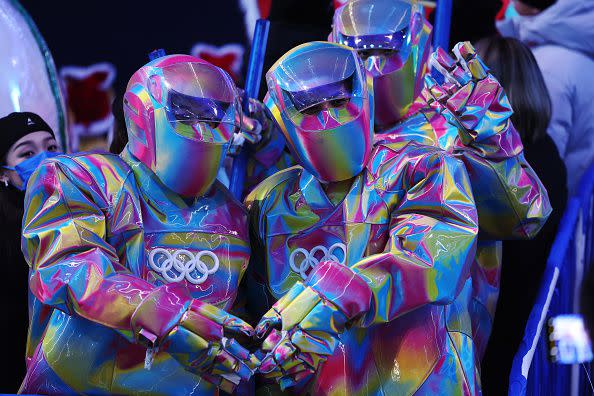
[296, 335]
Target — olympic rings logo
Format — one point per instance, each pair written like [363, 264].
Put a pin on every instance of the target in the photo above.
[183, 264]
[310, 260]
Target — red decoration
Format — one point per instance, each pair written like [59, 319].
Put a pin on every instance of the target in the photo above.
[229, 57]
[88, 98]
[252, 11]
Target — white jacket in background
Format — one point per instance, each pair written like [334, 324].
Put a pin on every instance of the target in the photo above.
[562, 40]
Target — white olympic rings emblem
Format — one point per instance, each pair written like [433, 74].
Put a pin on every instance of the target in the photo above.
[173, 267]
[310, 260]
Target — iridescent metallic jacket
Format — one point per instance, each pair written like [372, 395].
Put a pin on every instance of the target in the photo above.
[511, 201]
[408, 227]
[267, 159]
[99, 234]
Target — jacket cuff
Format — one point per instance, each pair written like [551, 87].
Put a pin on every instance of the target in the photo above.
[342, 286]
[160, 312]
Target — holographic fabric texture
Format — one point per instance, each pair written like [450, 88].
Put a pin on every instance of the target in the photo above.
[468, 115]
[268, 156]
[115, 258]
[315, 355]
[406, 232]
[365, 265]
[366, 274]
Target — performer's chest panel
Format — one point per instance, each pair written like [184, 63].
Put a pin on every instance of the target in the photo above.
[207, 250]
[210, 265]
[298, 240]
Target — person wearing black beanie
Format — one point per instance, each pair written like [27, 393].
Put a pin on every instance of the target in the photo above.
[22, 137]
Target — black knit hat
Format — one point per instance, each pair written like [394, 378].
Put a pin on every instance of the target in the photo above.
[539, 4]
[16, 125]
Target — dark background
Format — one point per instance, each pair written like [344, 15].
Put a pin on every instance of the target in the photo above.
[123, 32]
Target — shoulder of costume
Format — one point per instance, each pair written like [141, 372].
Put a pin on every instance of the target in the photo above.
[104, 162]
[273, 182]
[98, 171]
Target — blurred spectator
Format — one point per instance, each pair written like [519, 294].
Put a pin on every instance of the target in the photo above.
[561, 36]
[523, 261]
[26, 139]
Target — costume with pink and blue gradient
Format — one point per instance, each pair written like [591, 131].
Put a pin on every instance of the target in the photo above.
[136, 259]
[363, 248]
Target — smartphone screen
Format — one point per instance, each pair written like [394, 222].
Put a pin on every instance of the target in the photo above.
[569, 340]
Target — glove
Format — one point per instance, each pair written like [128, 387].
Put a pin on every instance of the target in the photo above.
[256, 126]
[195, 334]
[302, 329]
[470, 98]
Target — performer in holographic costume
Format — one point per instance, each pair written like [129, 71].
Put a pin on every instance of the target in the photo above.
[363, 249]
[136, 259]
[468, 115]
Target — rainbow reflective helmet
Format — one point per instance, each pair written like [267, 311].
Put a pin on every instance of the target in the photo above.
[319, 95]
[393, 39]
[181, 113]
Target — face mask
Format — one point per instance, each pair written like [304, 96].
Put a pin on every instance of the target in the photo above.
[26, 168]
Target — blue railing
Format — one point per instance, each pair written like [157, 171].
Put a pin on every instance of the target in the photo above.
[252, 87]
[442, 22]
[571, 255]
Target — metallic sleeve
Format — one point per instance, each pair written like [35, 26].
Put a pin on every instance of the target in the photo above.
[432, 242]
[73, 268]
[514, 203]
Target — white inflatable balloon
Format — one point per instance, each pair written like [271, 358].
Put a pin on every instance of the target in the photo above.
[28, 78]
